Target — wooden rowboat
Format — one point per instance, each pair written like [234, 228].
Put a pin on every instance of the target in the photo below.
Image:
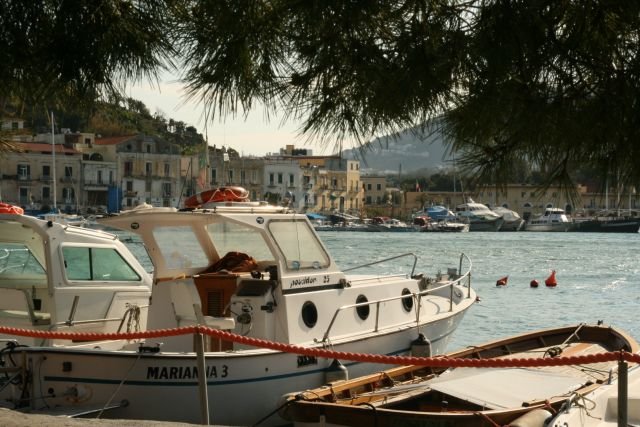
[424, 396]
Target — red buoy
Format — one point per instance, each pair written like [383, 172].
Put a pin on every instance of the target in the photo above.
[502, 281]
[551, 280]
[533, 283]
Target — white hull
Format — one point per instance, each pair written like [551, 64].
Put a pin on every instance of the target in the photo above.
[563, 226]
[164, 386]
[600, 407]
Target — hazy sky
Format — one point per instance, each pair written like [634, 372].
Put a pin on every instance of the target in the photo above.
[251, 137]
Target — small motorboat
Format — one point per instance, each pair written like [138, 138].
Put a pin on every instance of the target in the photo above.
[470, 396]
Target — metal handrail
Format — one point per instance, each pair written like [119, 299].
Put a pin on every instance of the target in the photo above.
[415, 261]
[418, 296]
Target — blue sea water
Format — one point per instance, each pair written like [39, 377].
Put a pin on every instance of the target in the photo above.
[598, 276]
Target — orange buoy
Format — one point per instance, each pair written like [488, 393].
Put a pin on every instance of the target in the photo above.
[502, 281]
[6, 208]
[215, 195]
[551, 280]
[533, 283]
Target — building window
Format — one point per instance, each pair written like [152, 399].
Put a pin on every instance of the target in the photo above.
[379, 187]
[214, 175]
[128, 168]
[68, 171]
[167, 169]
[110, 177]
[99, 177]
[148, 168]
[148, 148]
[129, 185]
[24, 171]
[68, 195]
[166, 189]
[46, 172]
[271, 179]
[46, 193]
[230, 178]
[242, 176]
[280, 178]
[291, 180]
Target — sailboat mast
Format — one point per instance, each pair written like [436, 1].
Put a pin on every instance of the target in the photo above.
[53, 157]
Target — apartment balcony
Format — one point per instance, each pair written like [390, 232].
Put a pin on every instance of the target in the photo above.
[130, 193]
[68, 180]
[46, 178]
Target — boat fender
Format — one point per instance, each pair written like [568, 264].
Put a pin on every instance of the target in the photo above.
[336, 372]
[534, 418]
[421, 347]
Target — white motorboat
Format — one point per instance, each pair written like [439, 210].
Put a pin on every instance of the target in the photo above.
[255, 271]
[512, 220]
[553, 219]
[478, 216]
[603, 406]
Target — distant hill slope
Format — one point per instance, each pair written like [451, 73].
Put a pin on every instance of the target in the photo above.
[409, 151]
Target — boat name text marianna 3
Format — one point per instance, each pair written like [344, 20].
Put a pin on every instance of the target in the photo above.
[184, 372]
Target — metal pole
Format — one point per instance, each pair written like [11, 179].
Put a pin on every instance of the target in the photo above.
[202, 368]
[623, 381]
[202, 379]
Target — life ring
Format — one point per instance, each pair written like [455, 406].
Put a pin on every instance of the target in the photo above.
[6, 208]
[215, 195]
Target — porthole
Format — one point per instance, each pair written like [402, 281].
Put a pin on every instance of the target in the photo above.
[309, 314]
[363, 310]
[407, 302]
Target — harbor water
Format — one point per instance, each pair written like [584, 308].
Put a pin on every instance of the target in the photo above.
[598, 275]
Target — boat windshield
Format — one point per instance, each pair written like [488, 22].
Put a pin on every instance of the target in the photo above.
[17, 261]
[237, 237]
[299, 245]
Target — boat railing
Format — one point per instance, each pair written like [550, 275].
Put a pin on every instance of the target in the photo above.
[408, 254]
[459, 280]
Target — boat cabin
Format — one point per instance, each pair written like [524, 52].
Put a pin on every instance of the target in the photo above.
[59, 277]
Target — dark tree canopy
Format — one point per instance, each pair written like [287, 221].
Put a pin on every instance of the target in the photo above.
[551, 84]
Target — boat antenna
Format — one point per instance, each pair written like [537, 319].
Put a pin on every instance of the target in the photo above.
[53, 158]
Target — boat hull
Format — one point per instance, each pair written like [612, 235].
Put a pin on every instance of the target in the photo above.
[611, 226]
[258, 378]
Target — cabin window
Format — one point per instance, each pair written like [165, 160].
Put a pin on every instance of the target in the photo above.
[17, 261]
[309, 314]
[299, 244]
[363, 310]
[407, 300]
[97, 264]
